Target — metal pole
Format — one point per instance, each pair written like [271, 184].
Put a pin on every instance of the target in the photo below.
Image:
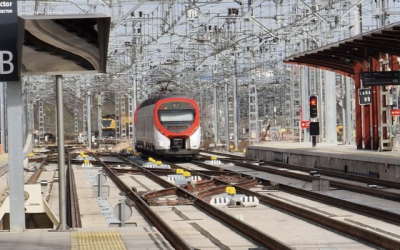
[292, 105]
[26, 127]
[89, 120]
[73, 217]
[133, 114]
[16, 156]
[226, 117]
[201, 119]
[99, 108]
[122, 211]
[56, 125]
[314, 141]
[235, 106]
[3, 117]
[321, 113]
[344, 109]
[61, 156]
[100, 184]
[216, 116]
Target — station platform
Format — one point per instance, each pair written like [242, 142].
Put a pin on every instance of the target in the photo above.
[384, 165]
[80, 239]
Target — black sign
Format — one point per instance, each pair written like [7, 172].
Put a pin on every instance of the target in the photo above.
[8, 41]
[380, 78]
[364, 96]
[314, 128]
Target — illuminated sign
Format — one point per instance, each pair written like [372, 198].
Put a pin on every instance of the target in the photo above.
[380, 78]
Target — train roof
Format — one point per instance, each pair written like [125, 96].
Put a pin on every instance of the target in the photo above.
[154, 99]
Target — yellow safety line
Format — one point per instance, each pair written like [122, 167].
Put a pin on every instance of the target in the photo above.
[96, 240]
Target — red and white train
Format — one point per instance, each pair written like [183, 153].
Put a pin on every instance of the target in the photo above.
[168, 125]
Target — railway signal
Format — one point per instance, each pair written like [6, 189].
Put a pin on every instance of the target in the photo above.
[313, 106]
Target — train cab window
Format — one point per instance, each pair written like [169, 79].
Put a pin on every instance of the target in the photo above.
[106, 123]
[176, 115]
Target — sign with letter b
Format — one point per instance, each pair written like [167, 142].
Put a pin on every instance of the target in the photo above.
[6, 65]
[9, 70]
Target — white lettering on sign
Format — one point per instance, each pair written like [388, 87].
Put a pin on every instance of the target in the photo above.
[5, 59]
[6, 7]
[5, 4]
[395, 112]
[365, 92]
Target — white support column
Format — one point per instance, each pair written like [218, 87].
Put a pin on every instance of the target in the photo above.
[130, 114]
[330, 107]
[216, 115]
[3, 117]
[89, 118]
[99, 111]
[117, 116]
[226, 109]
[305, 93]
[41, 122]
[61, 156]
[123, 118]
[133, 112]
[76, 122]
[349, 124]
[84, 121]
[16, 156]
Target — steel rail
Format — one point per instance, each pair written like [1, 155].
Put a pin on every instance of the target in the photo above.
[359, 233]
[363, 235]
[73, 212]
[376, 213]
[350, 177]
[346, 229]
[331, 173]
[250, 232]
[35, 176]
[245, 229]
[173, 238]
[336, 184]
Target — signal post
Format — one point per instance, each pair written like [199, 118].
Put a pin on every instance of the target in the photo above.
[314, 125]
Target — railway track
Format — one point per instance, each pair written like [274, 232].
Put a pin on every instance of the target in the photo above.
[351, 231]
[255, 235]
[361, 185]
[316, 217]
[168, 206]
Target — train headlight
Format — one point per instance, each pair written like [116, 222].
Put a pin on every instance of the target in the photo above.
[176, 105]
[176, 143]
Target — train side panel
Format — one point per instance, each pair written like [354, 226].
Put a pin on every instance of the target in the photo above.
[145, 129]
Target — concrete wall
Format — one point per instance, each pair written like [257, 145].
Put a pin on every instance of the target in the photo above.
[388, 168]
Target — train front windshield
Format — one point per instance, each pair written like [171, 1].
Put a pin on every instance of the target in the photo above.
[182, 115]
[106, 123]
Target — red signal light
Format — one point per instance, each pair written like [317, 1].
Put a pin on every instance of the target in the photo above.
[313, 106]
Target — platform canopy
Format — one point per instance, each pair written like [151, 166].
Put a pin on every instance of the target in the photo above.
[343, 55]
